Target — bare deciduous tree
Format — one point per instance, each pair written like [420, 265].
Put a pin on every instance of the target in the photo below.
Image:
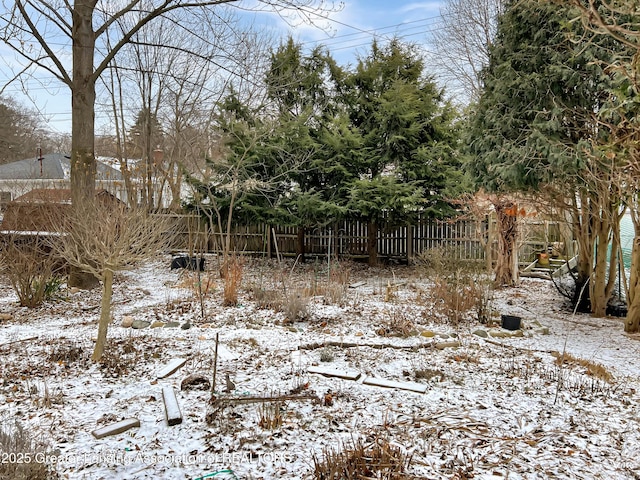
[21, 132]
[104, 237]
[97, 31]
[43, 24]
[179, 89]
[462, 43]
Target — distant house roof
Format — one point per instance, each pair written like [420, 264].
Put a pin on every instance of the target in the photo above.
[45, 195]
[52, 166]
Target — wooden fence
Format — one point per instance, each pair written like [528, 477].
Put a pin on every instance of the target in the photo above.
[466, 239]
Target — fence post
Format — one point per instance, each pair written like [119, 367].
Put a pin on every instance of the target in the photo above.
[409, 247]
[267, 229]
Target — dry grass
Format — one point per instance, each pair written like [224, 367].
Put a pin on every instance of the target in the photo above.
[296, 305]
[270, 414]
[376, 459]
[593, 369]
[397, 324]
[67, 352]
[428, 374]
[293, 303]
[333, 285]
[199, 282]
[326, 355]
[22, 454]
[232, 281]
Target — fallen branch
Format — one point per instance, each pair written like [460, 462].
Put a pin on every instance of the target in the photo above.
[514, 347]
[315, 346]
[261, 399]
[19, 341]
[218, 404]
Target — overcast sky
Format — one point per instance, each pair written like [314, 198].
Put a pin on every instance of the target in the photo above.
[347, 32]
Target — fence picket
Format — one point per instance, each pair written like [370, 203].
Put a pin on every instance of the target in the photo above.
[349, 238]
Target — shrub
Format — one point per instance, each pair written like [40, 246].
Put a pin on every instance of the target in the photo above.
[16, 440]
[458, 285]
[31, 269]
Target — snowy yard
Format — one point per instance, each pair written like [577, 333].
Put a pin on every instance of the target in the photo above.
[495, 404]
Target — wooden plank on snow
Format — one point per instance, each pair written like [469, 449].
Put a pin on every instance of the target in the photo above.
[333, 372]
[171, 367]
[382, 382]
[171, 407]
[116, 428]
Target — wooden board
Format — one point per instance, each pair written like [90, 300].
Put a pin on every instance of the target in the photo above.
[116, 428]
[381, 382]
[171, 407]
[171, 367]
[443, 345]
[334, 372]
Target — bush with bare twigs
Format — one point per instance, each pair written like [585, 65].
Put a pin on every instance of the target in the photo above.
[103, 237]
[459, 286]
[31, 269]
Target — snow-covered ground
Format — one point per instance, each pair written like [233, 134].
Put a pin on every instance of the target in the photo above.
[494, 407]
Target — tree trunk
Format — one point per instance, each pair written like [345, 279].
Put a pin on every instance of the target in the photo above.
[632, 324]
[488, 246]
[83, 97]
[582, 232]
[581, 299]
[105, 315]
[507, 225]
[605, 226]
[300, 250]
[372, 243]
[598, 284]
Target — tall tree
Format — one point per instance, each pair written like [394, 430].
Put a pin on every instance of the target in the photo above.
[616, 22]
[462, 43]
[536, 116]
[298, 86]
[245, 177]
[85, 23]
[146, 137]
[21, 132]
[407, 134]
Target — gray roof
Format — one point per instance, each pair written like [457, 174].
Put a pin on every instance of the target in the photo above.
[53, 166]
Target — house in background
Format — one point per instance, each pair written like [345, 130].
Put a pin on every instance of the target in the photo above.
[52, 172]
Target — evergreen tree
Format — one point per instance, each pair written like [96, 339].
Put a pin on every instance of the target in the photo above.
[536, 118]
[406, 162]
[298, 87]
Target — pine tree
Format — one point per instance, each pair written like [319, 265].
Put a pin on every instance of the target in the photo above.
[406, 161]
[535, 120]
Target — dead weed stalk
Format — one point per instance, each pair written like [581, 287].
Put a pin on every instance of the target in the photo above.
[377, 459]
[232, 281]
